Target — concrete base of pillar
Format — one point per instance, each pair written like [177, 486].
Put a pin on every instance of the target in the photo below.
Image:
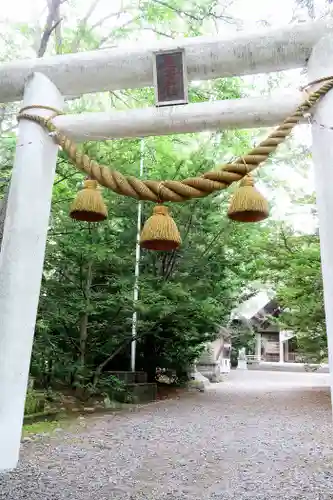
[242, 364]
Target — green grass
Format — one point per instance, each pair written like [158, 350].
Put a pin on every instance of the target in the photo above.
[40, 427]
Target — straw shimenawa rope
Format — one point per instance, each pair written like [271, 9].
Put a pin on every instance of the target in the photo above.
[194, 187]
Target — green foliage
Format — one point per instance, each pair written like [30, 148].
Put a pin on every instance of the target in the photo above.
[184, 295]
[34, 402]
[42, 427]
[242, 336]
[291, 262]
[84, 324]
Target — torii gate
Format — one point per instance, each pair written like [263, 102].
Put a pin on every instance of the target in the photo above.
[44, 81]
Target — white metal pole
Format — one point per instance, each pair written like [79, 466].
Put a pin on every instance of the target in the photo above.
[321, 65]
[21, 261]
[137, 266]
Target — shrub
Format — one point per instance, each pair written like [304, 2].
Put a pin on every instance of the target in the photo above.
[34, 402]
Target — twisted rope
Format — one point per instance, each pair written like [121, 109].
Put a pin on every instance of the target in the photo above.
[193, 187]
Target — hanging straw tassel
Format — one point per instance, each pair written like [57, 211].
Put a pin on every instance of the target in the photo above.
[89, 205]
[247, 204]
[160, 231]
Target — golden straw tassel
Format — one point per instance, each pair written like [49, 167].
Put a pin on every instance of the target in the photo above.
[247, 204]
[160, 231]
[89, 205]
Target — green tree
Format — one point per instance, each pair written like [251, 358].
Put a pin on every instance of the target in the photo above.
[86, 304]
[291, 263]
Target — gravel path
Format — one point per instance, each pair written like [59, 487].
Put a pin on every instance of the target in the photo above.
[259, 436]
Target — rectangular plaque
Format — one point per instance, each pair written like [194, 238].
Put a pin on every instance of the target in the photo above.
[170, 78]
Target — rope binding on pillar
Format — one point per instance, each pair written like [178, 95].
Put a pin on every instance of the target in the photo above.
[247, 204]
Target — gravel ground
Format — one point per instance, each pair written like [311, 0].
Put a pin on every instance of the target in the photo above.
[258, 436]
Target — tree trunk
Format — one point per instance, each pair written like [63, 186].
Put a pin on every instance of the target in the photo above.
[84, 319]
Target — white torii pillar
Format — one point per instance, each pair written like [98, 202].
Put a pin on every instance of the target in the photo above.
[321, 65]
[21, 261]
